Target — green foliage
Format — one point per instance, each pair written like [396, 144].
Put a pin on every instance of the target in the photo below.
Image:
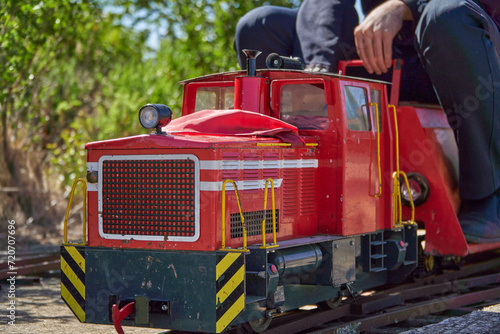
[200, 32]
[196, 39]
[75, 71]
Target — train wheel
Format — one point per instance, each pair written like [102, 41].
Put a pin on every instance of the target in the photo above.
[426, 263]
[254, 326]
[429, 263]
[330, 304]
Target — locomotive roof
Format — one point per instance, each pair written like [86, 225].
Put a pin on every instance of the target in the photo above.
[276, 74]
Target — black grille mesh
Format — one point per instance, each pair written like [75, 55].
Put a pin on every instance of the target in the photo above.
[253, 223]
[149, 197]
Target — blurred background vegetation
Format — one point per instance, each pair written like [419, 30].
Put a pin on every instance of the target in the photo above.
[75, 71]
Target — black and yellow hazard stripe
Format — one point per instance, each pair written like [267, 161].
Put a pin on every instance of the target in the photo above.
[73, 279]
[230, 300]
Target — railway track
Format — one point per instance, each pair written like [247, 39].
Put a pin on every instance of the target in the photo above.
[30, 265]
[393, 311]
[473, 285]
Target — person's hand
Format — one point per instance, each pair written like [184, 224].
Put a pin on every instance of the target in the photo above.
[374, 36]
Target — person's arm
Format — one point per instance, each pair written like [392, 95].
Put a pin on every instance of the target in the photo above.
[374, 36]
[416, 7]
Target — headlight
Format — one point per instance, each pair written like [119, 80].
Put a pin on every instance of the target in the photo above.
[155, 116]
[92, 176]
[419, 188]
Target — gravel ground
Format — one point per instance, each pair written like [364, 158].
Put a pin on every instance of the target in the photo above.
[40, 310]
[485, 321]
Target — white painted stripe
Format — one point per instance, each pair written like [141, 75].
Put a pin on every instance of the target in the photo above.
[270, 164]
[92, 186]
[92, 166]
[229, 164]
[309, 163]
[210, 164]
[241, 185]
[254, 164]
[251, 164]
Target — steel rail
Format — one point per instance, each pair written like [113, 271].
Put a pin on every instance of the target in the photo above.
[31, 265]
[450, 290]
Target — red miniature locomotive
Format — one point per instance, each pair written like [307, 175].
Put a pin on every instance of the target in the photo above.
[275, 189]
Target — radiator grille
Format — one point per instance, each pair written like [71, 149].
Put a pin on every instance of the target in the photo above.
[149, 197]
[253, 223]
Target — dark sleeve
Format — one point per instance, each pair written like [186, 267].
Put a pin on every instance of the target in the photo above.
[368, 5]
[416, 7]
[325, 30]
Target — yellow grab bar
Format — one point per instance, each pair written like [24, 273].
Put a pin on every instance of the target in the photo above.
[395, 176]
[264, 245]
[378, 151]
[396, 134]
[84, 234]
[397, 200]
[284, 144]
[245, 249]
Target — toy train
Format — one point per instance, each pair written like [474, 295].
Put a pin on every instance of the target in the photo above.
[276, 188]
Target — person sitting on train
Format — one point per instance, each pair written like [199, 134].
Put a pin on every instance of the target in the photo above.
[458, 43]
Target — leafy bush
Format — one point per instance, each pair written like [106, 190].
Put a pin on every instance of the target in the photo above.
[75, 71]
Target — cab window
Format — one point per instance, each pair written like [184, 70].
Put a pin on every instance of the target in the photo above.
[356, 105]
[214, 98]
[304, 105]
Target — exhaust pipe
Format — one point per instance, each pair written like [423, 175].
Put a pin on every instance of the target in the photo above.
[251, 61]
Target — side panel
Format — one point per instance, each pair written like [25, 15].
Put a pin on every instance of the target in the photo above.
[422, 152]
[363, 163]
[162, 207]
[294, 174]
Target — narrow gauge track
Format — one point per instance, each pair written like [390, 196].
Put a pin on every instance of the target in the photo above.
[453, 289]
[29, 265]
[392, 309]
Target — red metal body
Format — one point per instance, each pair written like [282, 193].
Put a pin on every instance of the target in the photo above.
[336, 181]
[274, 189]
[213, 152]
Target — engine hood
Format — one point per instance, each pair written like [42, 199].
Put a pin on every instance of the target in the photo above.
[209, 128]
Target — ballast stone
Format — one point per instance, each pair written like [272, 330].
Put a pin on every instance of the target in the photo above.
[486, 321]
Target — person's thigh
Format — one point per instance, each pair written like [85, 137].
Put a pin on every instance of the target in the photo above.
[269, 29]
[459, 44]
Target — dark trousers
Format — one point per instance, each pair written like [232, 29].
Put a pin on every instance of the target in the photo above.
[459, 50]
[459, 45]
[321, 32]
[269, 29]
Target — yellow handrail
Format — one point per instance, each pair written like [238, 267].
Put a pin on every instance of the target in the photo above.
[84, 234]
[245, 249]
[395, 176]
[396, 133]
[397, 200]
[284, 144]
[275, 244]
[378, 151]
